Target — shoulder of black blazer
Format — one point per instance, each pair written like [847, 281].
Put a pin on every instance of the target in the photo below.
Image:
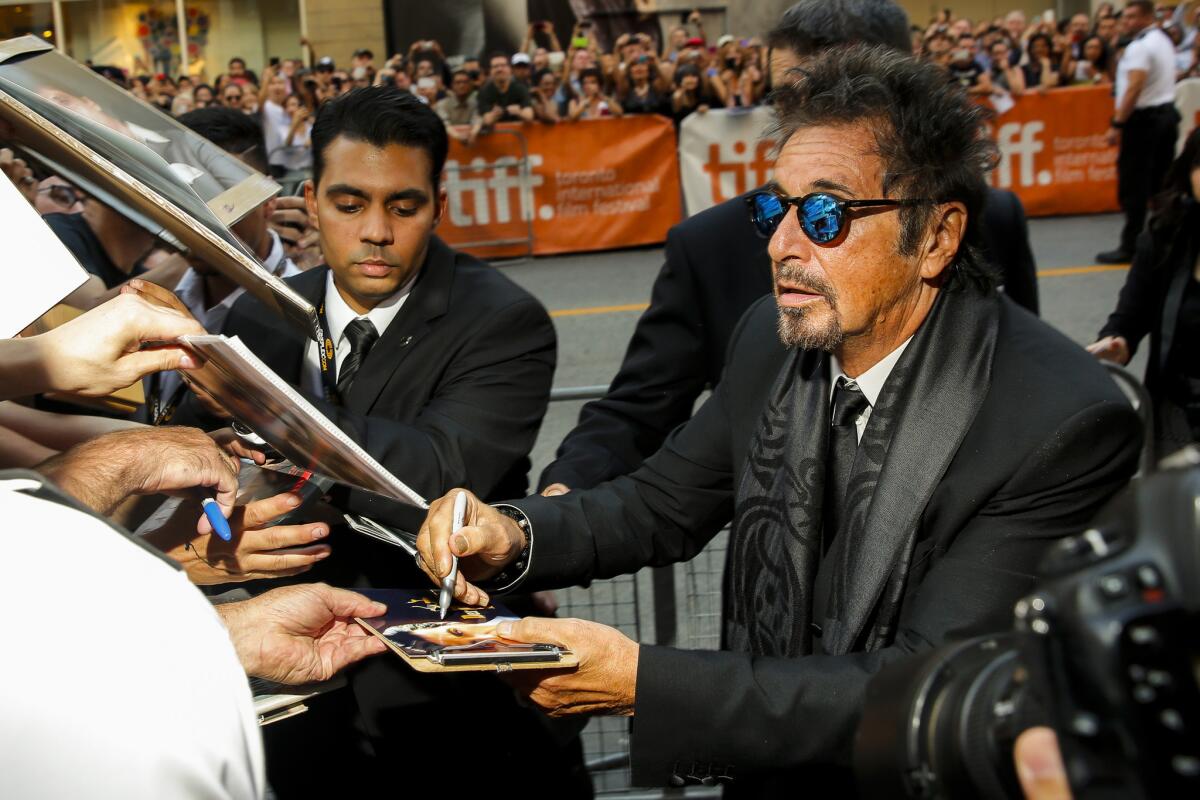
[716, 266]
[454, 287]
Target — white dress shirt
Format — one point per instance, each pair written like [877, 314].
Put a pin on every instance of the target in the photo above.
[870, 383]
[337, 316]
[1153, 53]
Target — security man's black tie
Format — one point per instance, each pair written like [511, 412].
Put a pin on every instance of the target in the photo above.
[362, 335]
[849, 403]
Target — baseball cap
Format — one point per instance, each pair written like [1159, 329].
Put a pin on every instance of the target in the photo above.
[521, 58]
[325, 64]
[695, 41]
[724, 40]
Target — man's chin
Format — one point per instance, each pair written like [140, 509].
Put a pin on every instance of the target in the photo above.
[803, 329]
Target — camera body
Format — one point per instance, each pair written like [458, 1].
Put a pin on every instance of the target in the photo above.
[1106, 650]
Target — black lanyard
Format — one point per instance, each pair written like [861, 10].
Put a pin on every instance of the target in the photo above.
[326, 357]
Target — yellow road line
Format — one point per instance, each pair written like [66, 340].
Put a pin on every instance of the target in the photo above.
[1045, 273]
[581, 312]
[1054, 273]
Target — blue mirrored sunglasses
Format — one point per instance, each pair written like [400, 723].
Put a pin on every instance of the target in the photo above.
[822, 216]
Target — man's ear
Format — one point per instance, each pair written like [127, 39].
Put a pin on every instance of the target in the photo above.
[310, 202]
[947, 232]
[440, 211]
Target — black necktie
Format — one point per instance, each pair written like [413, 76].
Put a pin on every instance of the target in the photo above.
[848, 405]
[361, 334]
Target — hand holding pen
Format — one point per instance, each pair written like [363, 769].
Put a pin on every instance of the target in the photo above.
[485, 543]
[104, 471]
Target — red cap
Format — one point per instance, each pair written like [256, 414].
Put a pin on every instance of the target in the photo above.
[695, 41]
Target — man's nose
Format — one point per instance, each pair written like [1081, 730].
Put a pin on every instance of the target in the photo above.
[789, 239]
[376, 228]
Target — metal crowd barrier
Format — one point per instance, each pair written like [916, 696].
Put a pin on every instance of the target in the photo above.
[679, 605]
[526, 190]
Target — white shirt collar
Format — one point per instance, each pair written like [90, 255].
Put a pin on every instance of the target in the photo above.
[276, 262]
[870, 382]
[338, 315]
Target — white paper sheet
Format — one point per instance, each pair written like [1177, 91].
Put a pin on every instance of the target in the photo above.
[38, 269]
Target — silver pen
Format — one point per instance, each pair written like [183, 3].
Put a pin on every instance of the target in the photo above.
[447, 593]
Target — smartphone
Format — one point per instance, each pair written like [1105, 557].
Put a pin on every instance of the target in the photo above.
[274, 62]
[580, 42]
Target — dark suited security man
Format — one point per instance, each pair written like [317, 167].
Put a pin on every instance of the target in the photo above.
[717, 266]
[442, 371]
[896, 443]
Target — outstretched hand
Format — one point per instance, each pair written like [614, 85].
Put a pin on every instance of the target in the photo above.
[301, 634]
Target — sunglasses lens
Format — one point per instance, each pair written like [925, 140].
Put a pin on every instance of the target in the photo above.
[768, 212]
[821, 217]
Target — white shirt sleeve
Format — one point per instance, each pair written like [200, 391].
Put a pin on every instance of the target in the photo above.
[1137, 56]
[119, 679]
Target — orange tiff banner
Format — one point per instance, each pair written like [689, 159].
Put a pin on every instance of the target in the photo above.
[1053, 153]
[588, 185]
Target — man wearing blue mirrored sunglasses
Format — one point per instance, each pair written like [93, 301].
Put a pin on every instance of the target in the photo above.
[897, 444]
[717, 267]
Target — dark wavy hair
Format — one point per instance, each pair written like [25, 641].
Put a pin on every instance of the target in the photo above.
[231, 130]
[380, 116]
[813, 25]
[929, 135]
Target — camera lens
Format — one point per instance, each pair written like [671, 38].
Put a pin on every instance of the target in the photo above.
[942, 726]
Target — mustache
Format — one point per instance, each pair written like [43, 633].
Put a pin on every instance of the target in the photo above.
[794, 273]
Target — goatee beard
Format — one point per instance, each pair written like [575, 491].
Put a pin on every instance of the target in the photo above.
[796, 331]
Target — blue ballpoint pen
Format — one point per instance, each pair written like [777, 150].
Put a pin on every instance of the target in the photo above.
[220, 525]
[447, 593]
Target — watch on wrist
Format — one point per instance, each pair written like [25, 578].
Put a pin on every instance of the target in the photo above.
[504, 579]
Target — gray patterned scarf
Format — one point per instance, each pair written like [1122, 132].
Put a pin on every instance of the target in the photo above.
[774, 550]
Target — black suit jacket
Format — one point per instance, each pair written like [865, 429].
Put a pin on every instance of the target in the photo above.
[452, 394]
[1153, 293]
[1052, 439]
[716, 267]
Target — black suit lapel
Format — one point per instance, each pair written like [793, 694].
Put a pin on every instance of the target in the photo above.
[926, 407]
[429, 300]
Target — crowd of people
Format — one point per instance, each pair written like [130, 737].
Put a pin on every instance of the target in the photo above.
[1011, 55]
[543, 81]
[874, 277]
[687, 73]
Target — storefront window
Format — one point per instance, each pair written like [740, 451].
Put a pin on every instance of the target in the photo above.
[36, 19]
[143, 38]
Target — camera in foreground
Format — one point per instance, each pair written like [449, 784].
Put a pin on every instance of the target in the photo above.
[1106, 651]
